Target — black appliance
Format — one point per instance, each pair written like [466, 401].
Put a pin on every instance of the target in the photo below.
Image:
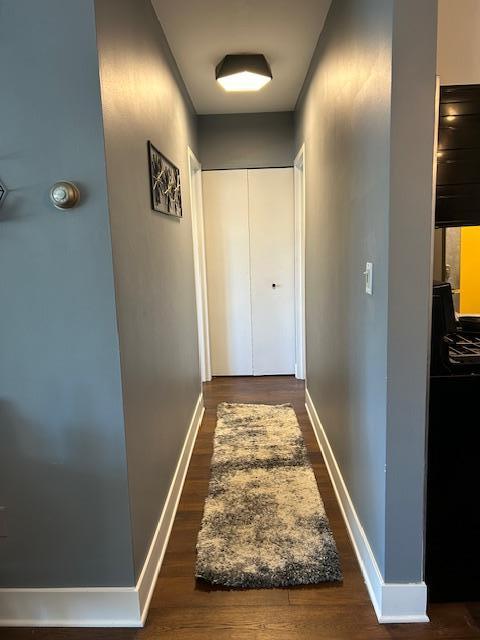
[458, 160]
[452, 551]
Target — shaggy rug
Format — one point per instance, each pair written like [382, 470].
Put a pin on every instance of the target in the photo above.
[264, 523]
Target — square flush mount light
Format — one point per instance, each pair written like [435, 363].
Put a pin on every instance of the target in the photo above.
[243, 72]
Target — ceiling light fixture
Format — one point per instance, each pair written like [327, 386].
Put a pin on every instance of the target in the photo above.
[243, 72]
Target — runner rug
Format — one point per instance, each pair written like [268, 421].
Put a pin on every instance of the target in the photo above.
[264, 523]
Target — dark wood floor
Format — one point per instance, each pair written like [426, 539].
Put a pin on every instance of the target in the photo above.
[184, 609]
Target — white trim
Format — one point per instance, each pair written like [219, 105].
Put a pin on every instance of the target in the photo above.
[392, 602]
[96, 607]
[299, 186]
[199, 263]
[104, 606]
[148, 577]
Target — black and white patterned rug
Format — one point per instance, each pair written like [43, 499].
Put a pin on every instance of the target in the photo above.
[264, 523]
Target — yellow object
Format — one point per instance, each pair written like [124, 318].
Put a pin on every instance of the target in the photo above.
[470, 270]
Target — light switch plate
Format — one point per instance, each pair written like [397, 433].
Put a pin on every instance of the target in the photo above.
[368, 273]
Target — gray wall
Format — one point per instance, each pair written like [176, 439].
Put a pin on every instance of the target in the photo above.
[359, 347]
[143, 99]
[246, 140]
[409, 282]
[62, 448]
[344, 118]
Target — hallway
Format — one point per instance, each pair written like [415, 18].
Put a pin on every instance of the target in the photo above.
[189, 609]
[183, 609]
[194, 210]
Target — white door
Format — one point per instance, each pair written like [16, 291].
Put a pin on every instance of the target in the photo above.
[271, 217]
[249, 237]
[225, 210]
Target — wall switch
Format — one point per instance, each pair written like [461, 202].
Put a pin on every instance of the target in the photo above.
[3, 522]
[368, 273]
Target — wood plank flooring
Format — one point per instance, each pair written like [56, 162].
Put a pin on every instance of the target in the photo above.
[183, 609]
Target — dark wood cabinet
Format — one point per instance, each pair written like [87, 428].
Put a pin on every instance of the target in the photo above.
[458, 159]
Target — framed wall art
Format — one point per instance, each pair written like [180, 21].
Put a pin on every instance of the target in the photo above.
[165, 190]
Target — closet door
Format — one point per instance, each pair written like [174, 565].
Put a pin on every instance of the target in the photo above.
[225, 198]
[271, 219]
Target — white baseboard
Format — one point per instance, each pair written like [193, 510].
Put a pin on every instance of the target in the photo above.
[154, 559]
[392, 602]
[109, 606]
[77, 607]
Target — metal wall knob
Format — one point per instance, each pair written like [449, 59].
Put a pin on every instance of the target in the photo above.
[64, 195]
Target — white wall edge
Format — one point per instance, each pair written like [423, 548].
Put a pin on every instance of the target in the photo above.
[104, 606]
[393, 603]
[299, 169]
[199, 264]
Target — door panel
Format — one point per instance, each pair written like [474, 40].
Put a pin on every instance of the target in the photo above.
[225, 198]
[271, 219]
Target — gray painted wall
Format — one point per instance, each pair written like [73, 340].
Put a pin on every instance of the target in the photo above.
[360, 348]
[63, 472]
[344, 118]
[246, 140]
[143, 99]
[409, 282]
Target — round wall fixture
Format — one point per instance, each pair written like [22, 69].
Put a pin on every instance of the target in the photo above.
[243, 72]
[64, 194]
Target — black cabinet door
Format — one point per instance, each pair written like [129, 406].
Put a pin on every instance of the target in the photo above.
[452, 552]
[458, 160]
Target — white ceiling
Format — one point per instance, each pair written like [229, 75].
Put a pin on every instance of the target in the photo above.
[201, 32]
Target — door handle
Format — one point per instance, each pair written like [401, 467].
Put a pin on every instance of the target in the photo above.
[274, 285]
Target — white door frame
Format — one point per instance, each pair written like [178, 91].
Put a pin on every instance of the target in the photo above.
[199, 263]
[299, 190]
[198, 234]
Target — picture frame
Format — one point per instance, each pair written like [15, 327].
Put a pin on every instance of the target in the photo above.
[165, 189]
